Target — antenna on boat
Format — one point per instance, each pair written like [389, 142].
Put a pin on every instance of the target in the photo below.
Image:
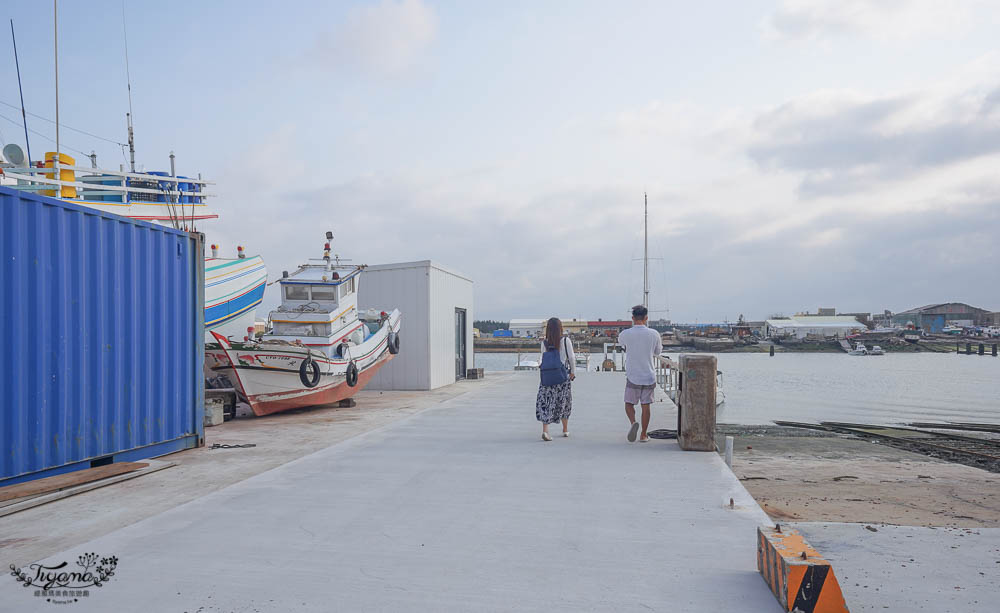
[24, 115]
[128, 80]
[55, 25]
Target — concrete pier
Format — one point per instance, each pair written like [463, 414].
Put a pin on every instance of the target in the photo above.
[459, 507]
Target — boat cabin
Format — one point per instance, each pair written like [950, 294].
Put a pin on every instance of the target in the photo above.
[319, 308]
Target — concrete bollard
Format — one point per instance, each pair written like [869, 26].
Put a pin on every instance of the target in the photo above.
[729, 452]
[772, 350]
[798, 576]
[968, 349]
[994, 350]
[696, 406]
[982, 349]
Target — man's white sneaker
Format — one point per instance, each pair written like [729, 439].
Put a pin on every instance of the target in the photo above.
[633, 431]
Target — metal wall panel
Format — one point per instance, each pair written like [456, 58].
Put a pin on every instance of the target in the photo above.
[103, 351]
[405, 287]
[427, 295]
[449, 291]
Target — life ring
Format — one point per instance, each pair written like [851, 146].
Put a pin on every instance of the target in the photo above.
[352, 374]
[306, 365]
[393, 343]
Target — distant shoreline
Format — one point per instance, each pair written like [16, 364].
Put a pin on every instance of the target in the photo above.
[596, 345]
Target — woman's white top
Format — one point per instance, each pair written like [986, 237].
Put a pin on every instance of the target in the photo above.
[565, 353]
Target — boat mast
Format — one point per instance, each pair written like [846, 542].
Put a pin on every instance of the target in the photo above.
[645, 252]
[55, 24]
[128, 80]
[24, 115]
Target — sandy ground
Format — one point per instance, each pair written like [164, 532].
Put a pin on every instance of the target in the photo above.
[809, 476]
[35, 533]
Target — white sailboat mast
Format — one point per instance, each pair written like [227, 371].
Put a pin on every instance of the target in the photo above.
[645, 252]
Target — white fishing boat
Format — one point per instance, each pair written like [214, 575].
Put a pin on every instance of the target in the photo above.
[321, 348]
[859, 349]
[526, 363]
[876, 350]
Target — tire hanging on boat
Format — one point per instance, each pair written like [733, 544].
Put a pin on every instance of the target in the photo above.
[352, 374]
[304, 368]
[393, 343]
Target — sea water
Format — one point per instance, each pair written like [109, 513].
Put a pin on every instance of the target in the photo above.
[814, 387]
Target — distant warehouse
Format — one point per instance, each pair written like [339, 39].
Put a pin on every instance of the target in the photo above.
[802, 326]
[526, 328]
[934, 317]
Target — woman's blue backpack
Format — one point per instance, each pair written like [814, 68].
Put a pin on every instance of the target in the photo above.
[552, 369]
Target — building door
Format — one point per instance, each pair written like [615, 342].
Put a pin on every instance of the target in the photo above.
[460, 348]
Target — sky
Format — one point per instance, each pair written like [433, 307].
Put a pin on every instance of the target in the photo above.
[796, 155]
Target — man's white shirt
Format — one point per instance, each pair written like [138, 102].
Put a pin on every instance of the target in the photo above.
[641, 344]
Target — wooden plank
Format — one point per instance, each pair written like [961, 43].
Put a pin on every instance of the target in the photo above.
[33, 501]
[60, 482]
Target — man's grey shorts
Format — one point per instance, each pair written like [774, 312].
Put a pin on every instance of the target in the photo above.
[638, 394]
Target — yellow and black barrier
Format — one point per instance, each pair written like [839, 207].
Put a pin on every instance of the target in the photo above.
[800, 578]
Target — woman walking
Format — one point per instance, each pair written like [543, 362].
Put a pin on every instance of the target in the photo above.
[555, 402]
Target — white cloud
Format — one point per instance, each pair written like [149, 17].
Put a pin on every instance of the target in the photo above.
[878, 19]
[387, 38]
[843, 142]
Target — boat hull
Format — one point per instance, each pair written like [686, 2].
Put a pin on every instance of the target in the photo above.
[233, 290]
[276, 402]
[273, 379]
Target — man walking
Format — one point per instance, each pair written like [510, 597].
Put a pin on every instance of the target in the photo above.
[642, 345]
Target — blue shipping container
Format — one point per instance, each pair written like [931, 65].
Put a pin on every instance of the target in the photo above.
[104, 345]
[502, 334]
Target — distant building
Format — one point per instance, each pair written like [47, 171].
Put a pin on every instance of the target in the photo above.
[883, 319]
[993, 319]
[802, 326]
[608, 328]
[476, 333]
[527, 328]
[934, 317]
[572, 325]
[826, 312]
[660, 325]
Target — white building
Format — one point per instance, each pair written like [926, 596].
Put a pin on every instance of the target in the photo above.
[802, 326]
[527, 328]
[436, 337]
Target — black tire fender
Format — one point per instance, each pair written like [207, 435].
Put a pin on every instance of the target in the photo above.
[352, 374]
[307, 367]
[342, 349]
[393, 343]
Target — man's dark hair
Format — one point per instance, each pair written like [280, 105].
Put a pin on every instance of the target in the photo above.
[639, 311]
